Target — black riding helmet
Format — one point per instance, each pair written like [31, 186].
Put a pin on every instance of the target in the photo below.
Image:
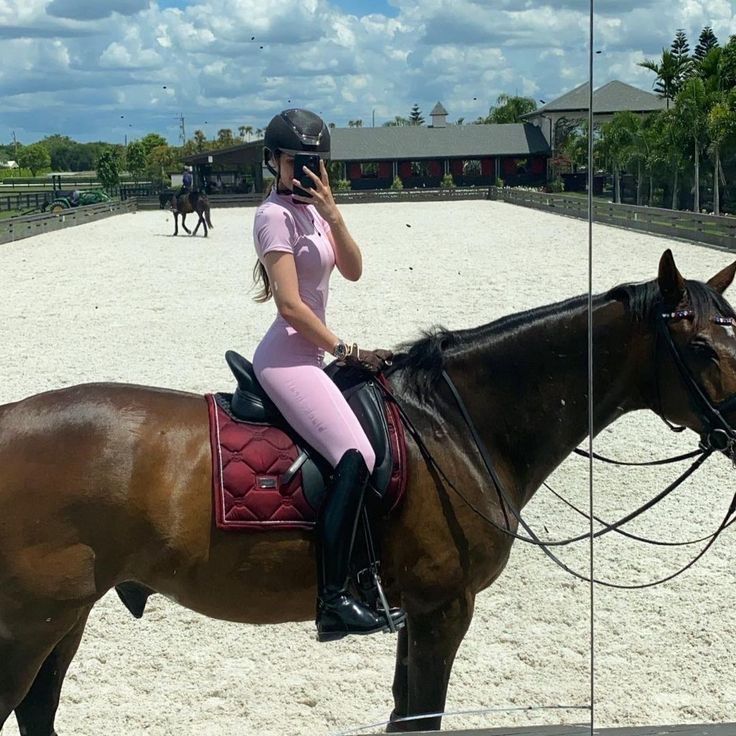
[296, 131]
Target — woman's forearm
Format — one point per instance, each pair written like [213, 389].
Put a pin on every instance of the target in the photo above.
[309, 326]
[347, 253]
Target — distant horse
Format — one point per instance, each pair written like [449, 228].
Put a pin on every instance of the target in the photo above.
[184, 204]
[106, 483]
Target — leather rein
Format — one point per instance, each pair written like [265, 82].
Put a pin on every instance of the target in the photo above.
[718, 435]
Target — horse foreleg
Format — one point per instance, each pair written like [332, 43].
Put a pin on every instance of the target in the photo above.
[184, 223]
[37, 711]
[400, 687]
[176, 223]
[432, 641]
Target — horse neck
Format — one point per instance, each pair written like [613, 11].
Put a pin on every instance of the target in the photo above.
[526, 388]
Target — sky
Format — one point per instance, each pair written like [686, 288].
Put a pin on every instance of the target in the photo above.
[116, 70]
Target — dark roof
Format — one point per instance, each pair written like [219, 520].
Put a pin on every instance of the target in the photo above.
[406, 142]
[242, 153]
[415, 142]
[438, 109]
[611, 97]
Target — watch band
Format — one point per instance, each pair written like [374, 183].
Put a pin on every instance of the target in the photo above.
[340, 351]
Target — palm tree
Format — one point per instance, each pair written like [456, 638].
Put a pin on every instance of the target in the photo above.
[721, 125]
[669, 149]
[668, 73]
[615, 145]
[248, 131]
[199, 140]
[509, 109]
[691, 106]
[241, 132]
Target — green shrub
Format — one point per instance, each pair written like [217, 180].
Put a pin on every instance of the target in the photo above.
[557, 185]
[447, 182]
[397, 183]
[342, 185]
[500, 183]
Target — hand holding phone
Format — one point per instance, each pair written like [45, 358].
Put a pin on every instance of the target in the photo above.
[311, 161]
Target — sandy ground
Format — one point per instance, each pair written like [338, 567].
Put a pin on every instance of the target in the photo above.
[120, 300]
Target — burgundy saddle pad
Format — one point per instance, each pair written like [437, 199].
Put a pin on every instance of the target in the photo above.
[251, 487]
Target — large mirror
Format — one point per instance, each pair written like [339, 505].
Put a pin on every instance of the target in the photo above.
[158, 548]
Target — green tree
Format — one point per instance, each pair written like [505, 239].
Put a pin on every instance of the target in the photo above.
[709, 70]
[200, 140]
[615, 145]
[161, 160]
[34, 157]
[706, 43]
[508, 109]
[727, 65]
[721, 126]
[670, 150]
[225, 138]
[398, 121]
[691, 105]
[668, 75]
[415, 116]
[108, 168]
[355, 123]
[135, 159]
[61, 148]
[681, 51]
[153, 140]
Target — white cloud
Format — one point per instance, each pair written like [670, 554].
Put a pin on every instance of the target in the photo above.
[236, 62]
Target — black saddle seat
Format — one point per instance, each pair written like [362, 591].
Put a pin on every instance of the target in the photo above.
[250, 401]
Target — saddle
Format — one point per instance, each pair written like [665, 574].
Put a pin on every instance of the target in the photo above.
[266, 476]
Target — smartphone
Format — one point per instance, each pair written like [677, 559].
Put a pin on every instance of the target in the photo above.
[311, 161]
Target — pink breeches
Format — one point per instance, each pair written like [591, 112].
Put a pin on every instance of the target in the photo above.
[315, 408]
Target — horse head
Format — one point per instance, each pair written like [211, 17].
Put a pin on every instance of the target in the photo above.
[695, 353]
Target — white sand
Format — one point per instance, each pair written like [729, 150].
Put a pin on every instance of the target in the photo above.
[119, 300]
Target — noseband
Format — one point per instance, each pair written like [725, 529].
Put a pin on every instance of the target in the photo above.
[718, 434]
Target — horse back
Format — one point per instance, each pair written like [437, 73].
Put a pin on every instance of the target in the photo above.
[97, 462]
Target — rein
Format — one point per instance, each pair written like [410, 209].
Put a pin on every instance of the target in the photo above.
[719, 436]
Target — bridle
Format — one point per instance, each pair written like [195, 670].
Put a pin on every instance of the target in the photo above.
[718, 435]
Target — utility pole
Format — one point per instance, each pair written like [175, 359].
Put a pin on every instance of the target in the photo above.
[182, 130]
[15, 149]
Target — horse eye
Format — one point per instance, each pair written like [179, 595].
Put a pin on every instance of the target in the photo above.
[702, 348]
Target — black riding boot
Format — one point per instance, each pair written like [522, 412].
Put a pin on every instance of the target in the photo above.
[338, 613]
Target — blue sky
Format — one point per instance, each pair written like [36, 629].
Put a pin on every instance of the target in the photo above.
[117, 69]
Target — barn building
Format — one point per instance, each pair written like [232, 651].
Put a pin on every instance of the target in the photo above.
[421, 156]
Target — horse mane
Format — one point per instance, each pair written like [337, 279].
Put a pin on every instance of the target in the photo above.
[422, 361]
[642, 300]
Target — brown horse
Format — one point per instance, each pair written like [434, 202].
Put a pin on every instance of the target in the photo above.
[106, 483]
[184, 204]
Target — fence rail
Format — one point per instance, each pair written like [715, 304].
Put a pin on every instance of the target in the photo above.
[15, 228]
[26, 201]
[699, 228]
[370, 195]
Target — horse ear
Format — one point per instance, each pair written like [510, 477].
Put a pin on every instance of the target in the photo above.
[722, 280]
[671, 283]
